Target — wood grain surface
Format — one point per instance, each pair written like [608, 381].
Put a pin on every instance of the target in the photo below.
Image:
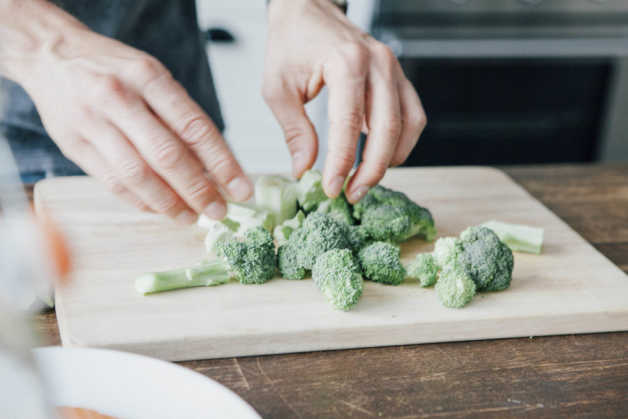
[559, 376]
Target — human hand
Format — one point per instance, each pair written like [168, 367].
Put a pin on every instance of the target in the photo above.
[119, 114]
[311, 44]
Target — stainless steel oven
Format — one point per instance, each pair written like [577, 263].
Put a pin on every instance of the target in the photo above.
[514, 81]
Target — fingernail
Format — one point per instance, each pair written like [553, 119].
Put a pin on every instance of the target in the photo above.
[240, 189]
[186, 217]
[335, 186]
[359, 193]
[216, 210]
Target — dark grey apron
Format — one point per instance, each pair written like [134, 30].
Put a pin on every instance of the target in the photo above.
[166, 29]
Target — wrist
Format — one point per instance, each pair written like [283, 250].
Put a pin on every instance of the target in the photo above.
[287, 7]
[28, 30]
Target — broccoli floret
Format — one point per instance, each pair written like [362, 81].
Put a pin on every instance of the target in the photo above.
[338, 208]
[277, 195]
[446, 250]
[455, 288]
[487, 260]
[288, 262]
[318, 234]
[283, 231]
[424, 269]
[358, 237]
[519, 238]
[310, 190]
[252, 260]
[380, 263]
[391, 216]
[337, 275]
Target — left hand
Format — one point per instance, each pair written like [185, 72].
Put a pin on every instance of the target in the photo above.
[311, 43]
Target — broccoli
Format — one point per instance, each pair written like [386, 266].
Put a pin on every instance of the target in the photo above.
[250, 260]
[318, 234]
[338, 208]
[283, 231]
[446, 250]
[380, 263]
[277, 195]
[310, 190]
[424, 269]
[240, 218]
[519, 238]
[337, 275]
[287, 261]
[389, 215]
[216, 233]
[455, 288]
[358, 237]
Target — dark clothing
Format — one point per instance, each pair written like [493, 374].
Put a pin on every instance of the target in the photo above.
[166, 29]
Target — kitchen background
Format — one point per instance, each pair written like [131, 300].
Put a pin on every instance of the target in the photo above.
[502, 81]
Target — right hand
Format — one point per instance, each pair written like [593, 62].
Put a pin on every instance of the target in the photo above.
[119, 114]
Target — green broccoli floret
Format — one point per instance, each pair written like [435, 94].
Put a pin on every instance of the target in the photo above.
[283, 231]
[381, 263]
[318, 234]
[446, 250]
[337, 275]
[455, 288]
[338, 208]
[358, 237]
[310, 190]
[277, 195]
[424, 269]
[250, 259]
[391, 216]
[487, 260]
[287, 261]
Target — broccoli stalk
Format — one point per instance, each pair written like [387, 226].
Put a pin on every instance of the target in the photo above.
[337, 208]
[310, 190]
[380, 263]
[283, 231]
[277, 195]
[337, 274]
[250, 259]
[204, 275]
[519, 238]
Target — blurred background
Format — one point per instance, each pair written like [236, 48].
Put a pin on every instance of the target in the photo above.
[502, 81]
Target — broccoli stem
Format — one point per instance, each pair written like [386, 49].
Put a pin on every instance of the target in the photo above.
[205, 275]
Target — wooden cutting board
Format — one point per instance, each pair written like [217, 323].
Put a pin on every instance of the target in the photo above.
[570, 288]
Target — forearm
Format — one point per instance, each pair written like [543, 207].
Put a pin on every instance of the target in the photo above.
[28, 30]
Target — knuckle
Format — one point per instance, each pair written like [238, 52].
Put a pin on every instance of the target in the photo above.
[168, 155]
[148, 68]
[201, 192]
[112, 183]
[166, 203]
[392, 129]
[197, 129]
[351, 119]
[110, 87]
[133, 172]
[355, 56]
[383, 52]
[344, 160]
[224, 168]
[292, 134]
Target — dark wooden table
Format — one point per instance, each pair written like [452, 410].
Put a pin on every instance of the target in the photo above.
[542, 377]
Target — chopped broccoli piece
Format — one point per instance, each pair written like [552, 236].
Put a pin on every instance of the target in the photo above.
[337, 275]
[391, 216]
[283, 231]
[318, 234]
[240, 218]
[424, 269]
[519, 238]
[380, 263]
[215, 234]
[455, 288]
[487, 260]
[250, 259]
[338, 208]
[277, 195]
[358, 237]
[310, 190]
[446, 250]
[288, 262]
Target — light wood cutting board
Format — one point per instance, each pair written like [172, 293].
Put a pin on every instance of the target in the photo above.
[570, 288]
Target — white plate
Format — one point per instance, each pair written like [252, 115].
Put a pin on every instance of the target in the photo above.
[132, 386]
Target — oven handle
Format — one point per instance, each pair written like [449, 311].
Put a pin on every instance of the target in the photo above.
[508, 48]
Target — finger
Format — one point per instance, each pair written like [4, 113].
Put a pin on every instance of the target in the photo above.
[347, 89]
[185, 118]
[414, 120]
[166, 154]
[132, 173]
[299, 133]
[345, 75]
[383, 112]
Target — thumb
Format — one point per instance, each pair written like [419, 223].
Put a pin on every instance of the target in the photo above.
[299, 133]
